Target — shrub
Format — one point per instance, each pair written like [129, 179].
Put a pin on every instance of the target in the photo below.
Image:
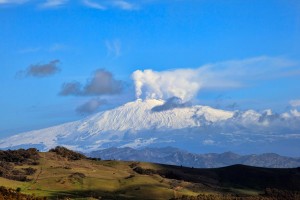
[10, 158]
[10, 194]
[19, 156]
[95, 159]
[69, 154]
[29, 170]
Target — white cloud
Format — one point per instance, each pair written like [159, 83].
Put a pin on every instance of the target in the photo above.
[107, 4]
[96, 4]
[295, 103]
[208, 142]
[113, 47]
[124, 5]
[93, 4]
[53, 3]
[295, 113]
[186, 83]
[12, 1]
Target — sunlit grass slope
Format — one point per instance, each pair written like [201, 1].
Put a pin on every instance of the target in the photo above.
[58, 177]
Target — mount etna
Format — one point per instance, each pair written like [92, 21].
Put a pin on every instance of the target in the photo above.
[158, 123]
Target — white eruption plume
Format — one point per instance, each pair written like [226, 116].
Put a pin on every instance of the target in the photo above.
[182, 83]
[186, 83]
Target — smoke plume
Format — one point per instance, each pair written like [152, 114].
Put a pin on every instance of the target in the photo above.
[186, 83]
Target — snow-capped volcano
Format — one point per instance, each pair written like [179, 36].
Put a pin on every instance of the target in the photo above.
[138, 115]
[143, 123]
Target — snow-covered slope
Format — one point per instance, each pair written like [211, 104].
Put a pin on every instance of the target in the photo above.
[136, 124]
[111, 125]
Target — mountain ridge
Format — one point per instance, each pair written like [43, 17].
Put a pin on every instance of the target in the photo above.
[175, 156]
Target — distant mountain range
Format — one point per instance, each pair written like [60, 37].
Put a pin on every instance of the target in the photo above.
[175, 156]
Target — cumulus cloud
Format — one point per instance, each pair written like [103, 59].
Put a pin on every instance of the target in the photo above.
[295, 113]
[101, 83]
[90, 107]
[295, 103]
[40, 70]
[171, 103]
[186, 83]
[72, 88]
[265, 122]
[268, 116]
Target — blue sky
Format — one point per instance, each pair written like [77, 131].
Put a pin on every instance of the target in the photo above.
[120, 37]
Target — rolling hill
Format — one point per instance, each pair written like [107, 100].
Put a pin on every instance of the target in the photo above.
[61, 174]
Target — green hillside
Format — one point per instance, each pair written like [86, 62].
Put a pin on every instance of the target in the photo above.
[60, 176]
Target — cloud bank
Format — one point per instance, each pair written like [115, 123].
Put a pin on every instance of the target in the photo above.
[295, 103]
[101, 83]
[186, 83]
